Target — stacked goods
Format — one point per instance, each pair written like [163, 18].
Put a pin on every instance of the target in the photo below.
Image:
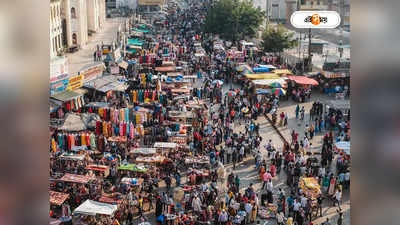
[310, 187]
[268, 212]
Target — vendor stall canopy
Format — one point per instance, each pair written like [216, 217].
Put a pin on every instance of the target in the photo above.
[69, 95]
[141, 30]
[135, 42]
[303, 80]
[93, 208]
[262, 76]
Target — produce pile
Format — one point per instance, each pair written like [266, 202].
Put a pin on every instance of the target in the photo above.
[310, 187]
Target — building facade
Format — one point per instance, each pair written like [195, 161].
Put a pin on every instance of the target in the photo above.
[56, 31]
[76, 22]
[96, 15]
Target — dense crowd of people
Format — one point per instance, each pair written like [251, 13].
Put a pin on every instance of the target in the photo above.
[109, 163]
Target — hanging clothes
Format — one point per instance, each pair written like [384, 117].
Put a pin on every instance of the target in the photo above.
[87, 139]
[121, 128]
[83, 139]
[131, 132]
[98, 127]
[53, 145]
[126, 114]
[105, 133]
[92, 141]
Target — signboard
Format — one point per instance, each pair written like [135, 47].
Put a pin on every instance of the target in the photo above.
[115, 70]
[151, 2]
[58, 86]
[92, 72]
[75, 82]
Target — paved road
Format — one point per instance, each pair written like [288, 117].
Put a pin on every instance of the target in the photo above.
[84, 57]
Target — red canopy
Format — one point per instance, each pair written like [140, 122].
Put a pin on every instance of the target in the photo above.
[303, 80]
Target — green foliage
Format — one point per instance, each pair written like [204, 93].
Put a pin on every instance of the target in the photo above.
[233, 19]
[277, 39]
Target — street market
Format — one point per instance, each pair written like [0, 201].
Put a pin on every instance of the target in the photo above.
[161, 140]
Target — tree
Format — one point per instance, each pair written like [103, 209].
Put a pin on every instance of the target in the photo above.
[277, 39]
[233, 19]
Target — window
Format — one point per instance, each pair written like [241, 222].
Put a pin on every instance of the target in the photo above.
[74, 39]
[73, 13]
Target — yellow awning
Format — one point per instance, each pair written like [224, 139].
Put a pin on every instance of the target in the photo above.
[263, 76]
[283, 71]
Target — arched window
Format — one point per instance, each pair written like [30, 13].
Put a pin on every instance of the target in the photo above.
[74, 39]
[73, 13]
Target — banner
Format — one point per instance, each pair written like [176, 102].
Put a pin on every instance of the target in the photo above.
[58, 86]
[92, 72]
[75, 82]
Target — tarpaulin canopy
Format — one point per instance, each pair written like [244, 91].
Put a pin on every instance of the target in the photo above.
[303, 80]
[107, 83]
[265, 66]
[166, 69]
[57, 198]
[132, 167]
[135, 42]
[244, 67]
[141, 30]
[262, 76]
[93, 208]
[98, 104]
[261, 69]
[165, 145]
[144, 151]
[131, 51]
[67, 95]
[100, 168]
[339, 104]
[73, 122]
[283, 71]
[263, 91]
[268, 82]
[75, 178]
[71, 156]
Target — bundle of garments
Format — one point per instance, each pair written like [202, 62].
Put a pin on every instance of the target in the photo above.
[124, 115]
[147, 59]
[66, 141]
[122, 128]
[74, 104]
[140, 96]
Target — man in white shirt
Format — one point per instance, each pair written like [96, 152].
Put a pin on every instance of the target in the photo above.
[196, 205]
[296, 208]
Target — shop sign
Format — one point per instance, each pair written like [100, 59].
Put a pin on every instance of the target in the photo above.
[58, 86]
[92, 72]
[75, 82]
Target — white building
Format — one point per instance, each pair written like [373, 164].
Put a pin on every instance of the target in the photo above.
[75, 14]
[96, 14]
[56, 43]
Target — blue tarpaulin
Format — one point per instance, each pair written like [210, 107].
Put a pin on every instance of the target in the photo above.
[261, 69]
